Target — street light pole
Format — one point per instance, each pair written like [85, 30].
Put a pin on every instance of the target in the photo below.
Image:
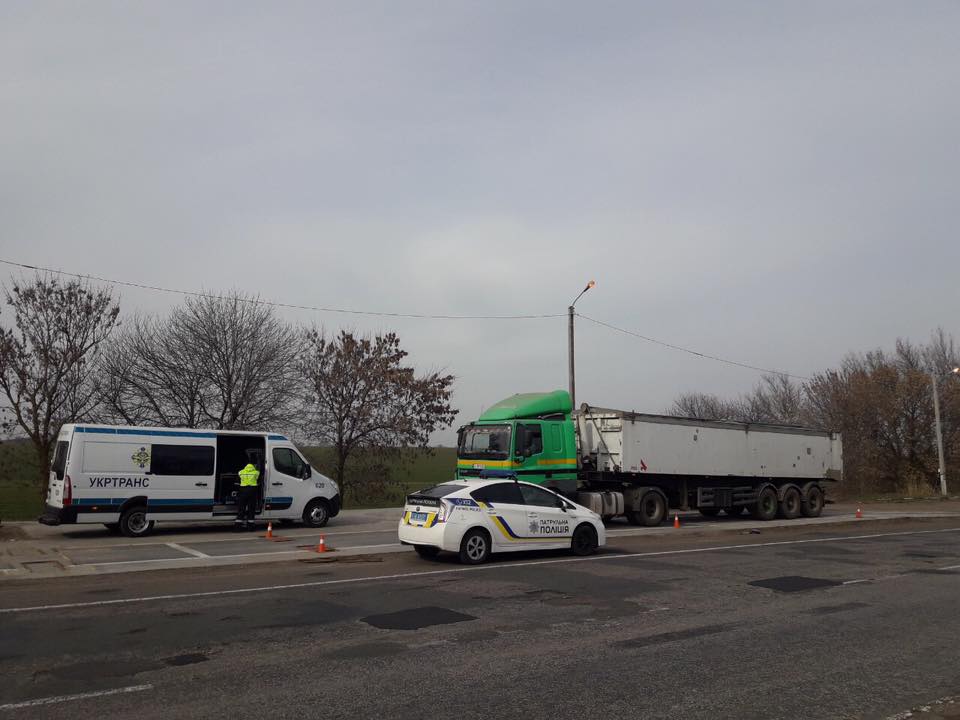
[936, 416]
[942, 470]
[570, 361]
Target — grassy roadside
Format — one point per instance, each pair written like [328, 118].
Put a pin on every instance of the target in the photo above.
[21, 500]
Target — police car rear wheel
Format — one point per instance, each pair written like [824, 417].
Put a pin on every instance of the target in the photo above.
[475, 547]
[584, 540]
[427, 551]
[134, 523]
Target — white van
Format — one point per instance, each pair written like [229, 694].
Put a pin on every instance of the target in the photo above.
[129, 477]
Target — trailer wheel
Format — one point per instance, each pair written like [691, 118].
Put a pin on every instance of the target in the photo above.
[134, 523]
[710, 512]
[790, 504]
[584, 540]
[653, 509]
[812, 506]
[766, 506]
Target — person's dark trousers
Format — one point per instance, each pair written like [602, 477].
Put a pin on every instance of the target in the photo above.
[247, 501]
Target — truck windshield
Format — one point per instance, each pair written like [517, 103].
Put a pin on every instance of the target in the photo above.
[485, 441]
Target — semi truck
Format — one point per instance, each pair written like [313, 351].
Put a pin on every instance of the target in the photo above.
[623, 463]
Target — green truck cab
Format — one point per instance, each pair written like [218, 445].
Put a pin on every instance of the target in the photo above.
[529, 436]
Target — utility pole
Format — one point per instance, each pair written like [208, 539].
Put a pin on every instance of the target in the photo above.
[934, 380]
[570, 369]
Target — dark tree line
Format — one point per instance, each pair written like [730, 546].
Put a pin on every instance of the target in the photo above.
[881, 401]
[213, 362]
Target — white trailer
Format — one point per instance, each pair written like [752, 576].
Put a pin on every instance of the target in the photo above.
[639, 465]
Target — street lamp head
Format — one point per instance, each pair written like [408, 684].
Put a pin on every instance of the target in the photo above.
[956, 371]
[592, 283]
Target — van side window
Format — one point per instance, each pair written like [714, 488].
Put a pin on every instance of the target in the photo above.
[181, 459]
[288, 462]
[60, 459]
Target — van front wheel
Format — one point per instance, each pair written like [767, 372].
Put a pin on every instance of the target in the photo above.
[134, 523]
[316, 514]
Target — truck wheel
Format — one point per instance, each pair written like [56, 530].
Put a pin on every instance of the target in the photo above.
[790, 504]
[709, 511]
[584, 540]
[316, 514]
[652, 511]
[134, 523]
[813, 505]
[766, 505]
[427, 552]
[475, 547]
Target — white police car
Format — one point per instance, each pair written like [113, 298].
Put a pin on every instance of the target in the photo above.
[477, 517]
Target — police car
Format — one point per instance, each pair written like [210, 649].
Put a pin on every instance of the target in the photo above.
[475, 518]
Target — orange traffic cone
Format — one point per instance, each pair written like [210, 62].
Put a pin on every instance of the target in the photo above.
[859, 513]
[322, 545]
[269, 535]
[676, 521]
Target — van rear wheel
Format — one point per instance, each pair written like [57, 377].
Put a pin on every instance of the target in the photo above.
[134, 523]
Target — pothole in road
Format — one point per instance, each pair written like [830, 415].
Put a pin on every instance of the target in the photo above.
[794, 583]
[416, 618]
[186, 659]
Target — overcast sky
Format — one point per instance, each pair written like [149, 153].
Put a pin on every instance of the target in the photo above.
[776, 183]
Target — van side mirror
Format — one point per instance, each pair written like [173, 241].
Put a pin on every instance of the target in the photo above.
[306, 472]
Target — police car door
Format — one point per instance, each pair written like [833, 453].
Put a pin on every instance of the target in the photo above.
[546, 518]
[505, 514]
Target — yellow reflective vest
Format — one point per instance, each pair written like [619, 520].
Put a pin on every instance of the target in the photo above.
[249, 476]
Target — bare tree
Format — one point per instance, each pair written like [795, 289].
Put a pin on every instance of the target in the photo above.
[365, 399]
[226, 363]
[48, 359]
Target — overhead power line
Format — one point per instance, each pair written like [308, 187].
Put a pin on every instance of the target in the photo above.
[692, 352]
[291, 306]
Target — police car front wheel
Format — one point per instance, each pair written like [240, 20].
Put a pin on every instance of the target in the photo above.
[584, 540]
[475, 547]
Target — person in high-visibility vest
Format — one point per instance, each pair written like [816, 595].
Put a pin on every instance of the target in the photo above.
[247, 496]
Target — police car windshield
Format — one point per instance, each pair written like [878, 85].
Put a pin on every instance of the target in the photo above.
[485, 441]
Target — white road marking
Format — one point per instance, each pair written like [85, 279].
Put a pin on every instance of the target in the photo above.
[854, 582]
[469, 568]
[237, 538]
[70, 698]
[188, 551]
[950, 567]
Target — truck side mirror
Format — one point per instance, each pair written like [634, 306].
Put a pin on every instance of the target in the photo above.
[518, 458]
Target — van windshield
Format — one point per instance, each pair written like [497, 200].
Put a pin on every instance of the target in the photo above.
[485, 441]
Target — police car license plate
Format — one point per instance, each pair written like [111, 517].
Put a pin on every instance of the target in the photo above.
[418, 517]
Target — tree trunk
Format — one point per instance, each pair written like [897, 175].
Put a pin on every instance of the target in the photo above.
[44, 462]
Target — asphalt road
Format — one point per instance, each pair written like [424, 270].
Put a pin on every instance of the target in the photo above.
[829, 622]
